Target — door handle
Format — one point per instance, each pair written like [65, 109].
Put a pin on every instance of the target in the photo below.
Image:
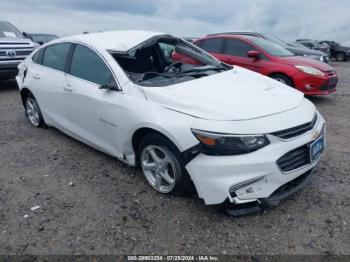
[36, 76]
[67, 88]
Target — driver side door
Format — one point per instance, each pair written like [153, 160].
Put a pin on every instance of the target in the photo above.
[92, 112]
[235, 52]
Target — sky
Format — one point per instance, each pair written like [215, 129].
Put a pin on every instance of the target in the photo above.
[288, 19]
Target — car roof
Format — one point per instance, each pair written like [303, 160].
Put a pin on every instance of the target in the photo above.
[228, 35]
[238, 33]
[120, 41]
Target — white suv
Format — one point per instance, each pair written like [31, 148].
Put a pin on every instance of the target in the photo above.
[157, 101]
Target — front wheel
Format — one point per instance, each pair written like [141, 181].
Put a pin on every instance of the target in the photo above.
[340, 57]
[283, 79]
[161, 164]
[33, 111]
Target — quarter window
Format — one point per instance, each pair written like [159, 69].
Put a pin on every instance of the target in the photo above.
[236, 47]
[55, 56]
[38, 56]
[87, 65]
[212, 45]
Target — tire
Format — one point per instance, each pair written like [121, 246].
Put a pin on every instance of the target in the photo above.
[33, 111]
[340, 57]
[283, 79]
[164, 171]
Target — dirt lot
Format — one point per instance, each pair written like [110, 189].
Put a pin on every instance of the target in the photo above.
[111, 210]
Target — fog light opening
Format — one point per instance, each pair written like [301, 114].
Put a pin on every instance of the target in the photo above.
[308, 87]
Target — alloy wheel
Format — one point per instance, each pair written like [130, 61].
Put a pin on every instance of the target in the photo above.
[32, 110]
[159, 168]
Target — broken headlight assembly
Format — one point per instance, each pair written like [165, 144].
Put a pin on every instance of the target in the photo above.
[229, 144]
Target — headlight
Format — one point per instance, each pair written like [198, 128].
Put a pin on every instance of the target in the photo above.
[229, 144]
[310, 70]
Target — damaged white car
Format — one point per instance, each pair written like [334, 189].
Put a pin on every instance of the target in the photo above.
[157, 101]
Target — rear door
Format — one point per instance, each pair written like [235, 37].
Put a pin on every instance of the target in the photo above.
[213, 46]
[47, 78]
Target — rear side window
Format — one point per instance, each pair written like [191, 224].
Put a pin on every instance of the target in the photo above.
[55, 56]
[236, 47]
[213, 45]
[87, 65]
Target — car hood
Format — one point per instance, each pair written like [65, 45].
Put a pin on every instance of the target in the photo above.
[299, 60]
[17, 40]
[237, 94]
[305, 51]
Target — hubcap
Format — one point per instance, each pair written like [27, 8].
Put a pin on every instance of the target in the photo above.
[32, 111]
[158, 168]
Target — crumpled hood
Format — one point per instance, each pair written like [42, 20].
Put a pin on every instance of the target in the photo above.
[237, 94]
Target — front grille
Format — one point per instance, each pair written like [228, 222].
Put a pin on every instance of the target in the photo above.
[294, 159]
[18, 52]
[13, 43]
[329, 84]
[296, 131]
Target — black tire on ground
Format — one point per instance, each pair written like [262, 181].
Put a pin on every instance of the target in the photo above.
[283, 79]
[183, 183]
[29, 97]
[340, 57]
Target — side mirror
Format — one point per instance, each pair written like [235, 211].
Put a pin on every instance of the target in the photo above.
[253, 54]
[111, 87]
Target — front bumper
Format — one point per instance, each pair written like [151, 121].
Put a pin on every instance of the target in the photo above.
[215, 176]
[8, 71]
[312, 85]
[280, 194]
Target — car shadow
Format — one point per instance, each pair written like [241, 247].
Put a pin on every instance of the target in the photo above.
[8, 85]
[320, 99]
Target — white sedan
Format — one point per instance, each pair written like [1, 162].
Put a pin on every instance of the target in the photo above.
[159, 102]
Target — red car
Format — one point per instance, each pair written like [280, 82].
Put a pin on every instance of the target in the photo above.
[307, 75]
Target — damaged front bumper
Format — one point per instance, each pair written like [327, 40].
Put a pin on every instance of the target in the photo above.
[280, 194]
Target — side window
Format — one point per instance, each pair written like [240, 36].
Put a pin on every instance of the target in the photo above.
[212, 45]
[55, 56]
[307, 44]
[236, 47]
[86, 64]
[38, 56]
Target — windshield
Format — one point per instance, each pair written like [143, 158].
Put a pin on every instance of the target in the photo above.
[8, 30]
[167, 60]
[316, 44]
[42, 38]
[275, 40]
[297, 44]
[270, 47]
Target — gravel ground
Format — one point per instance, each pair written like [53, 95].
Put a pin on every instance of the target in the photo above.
[109, 208]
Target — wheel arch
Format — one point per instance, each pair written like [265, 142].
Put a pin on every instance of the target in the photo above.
[24, 93]
[141, 132]
[282, 73]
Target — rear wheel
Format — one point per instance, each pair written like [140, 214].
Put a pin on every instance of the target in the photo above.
[162, 166]
[340, 57]
[33, 111]
[283, 79]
